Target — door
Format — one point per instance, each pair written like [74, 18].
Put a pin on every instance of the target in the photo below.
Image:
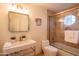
[51, 29]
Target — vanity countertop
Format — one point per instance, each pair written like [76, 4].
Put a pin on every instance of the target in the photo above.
[19, 45]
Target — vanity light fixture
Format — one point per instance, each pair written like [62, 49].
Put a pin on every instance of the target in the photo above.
[18, 8]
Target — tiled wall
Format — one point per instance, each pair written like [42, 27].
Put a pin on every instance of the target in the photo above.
[59, 37]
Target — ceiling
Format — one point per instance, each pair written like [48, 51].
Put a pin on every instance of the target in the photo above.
[56, 7]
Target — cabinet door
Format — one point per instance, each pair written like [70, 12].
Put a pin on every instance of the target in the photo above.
[27, 52]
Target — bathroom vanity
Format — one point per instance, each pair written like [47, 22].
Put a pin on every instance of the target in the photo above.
[19, 22]
[19, 47]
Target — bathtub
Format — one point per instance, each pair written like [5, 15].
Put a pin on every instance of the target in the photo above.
[65, 50]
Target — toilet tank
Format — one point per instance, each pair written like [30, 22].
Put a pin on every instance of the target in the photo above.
[45, 42]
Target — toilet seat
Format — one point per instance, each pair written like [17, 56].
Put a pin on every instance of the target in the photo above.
[50, 48]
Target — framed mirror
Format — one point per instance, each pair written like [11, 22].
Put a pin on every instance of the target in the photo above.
[18, 22]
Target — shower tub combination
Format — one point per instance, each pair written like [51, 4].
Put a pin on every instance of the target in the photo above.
[64, 50]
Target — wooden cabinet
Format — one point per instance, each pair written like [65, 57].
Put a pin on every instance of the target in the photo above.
[25, 52]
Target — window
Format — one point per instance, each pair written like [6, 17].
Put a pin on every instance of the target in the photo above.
[69, 20]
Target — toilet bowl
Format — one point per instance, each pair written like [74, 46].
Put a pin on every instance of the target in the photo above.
[48, 49]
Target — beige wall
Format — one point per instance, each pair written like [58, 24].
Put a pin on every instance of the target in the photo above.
[36, 33]
[50, 13]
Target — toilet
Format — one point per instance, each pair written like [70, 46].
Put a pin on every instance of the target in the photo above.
[48, 49]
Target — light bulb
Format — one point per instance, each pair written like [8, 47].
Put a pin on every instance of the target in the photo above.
[13, 7]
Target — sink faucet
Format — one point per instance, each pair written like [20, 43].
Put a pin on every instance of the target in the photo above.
[22, 37]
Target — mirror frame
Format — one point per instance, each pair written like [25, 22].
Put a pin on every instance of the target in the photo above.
[10, 20]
